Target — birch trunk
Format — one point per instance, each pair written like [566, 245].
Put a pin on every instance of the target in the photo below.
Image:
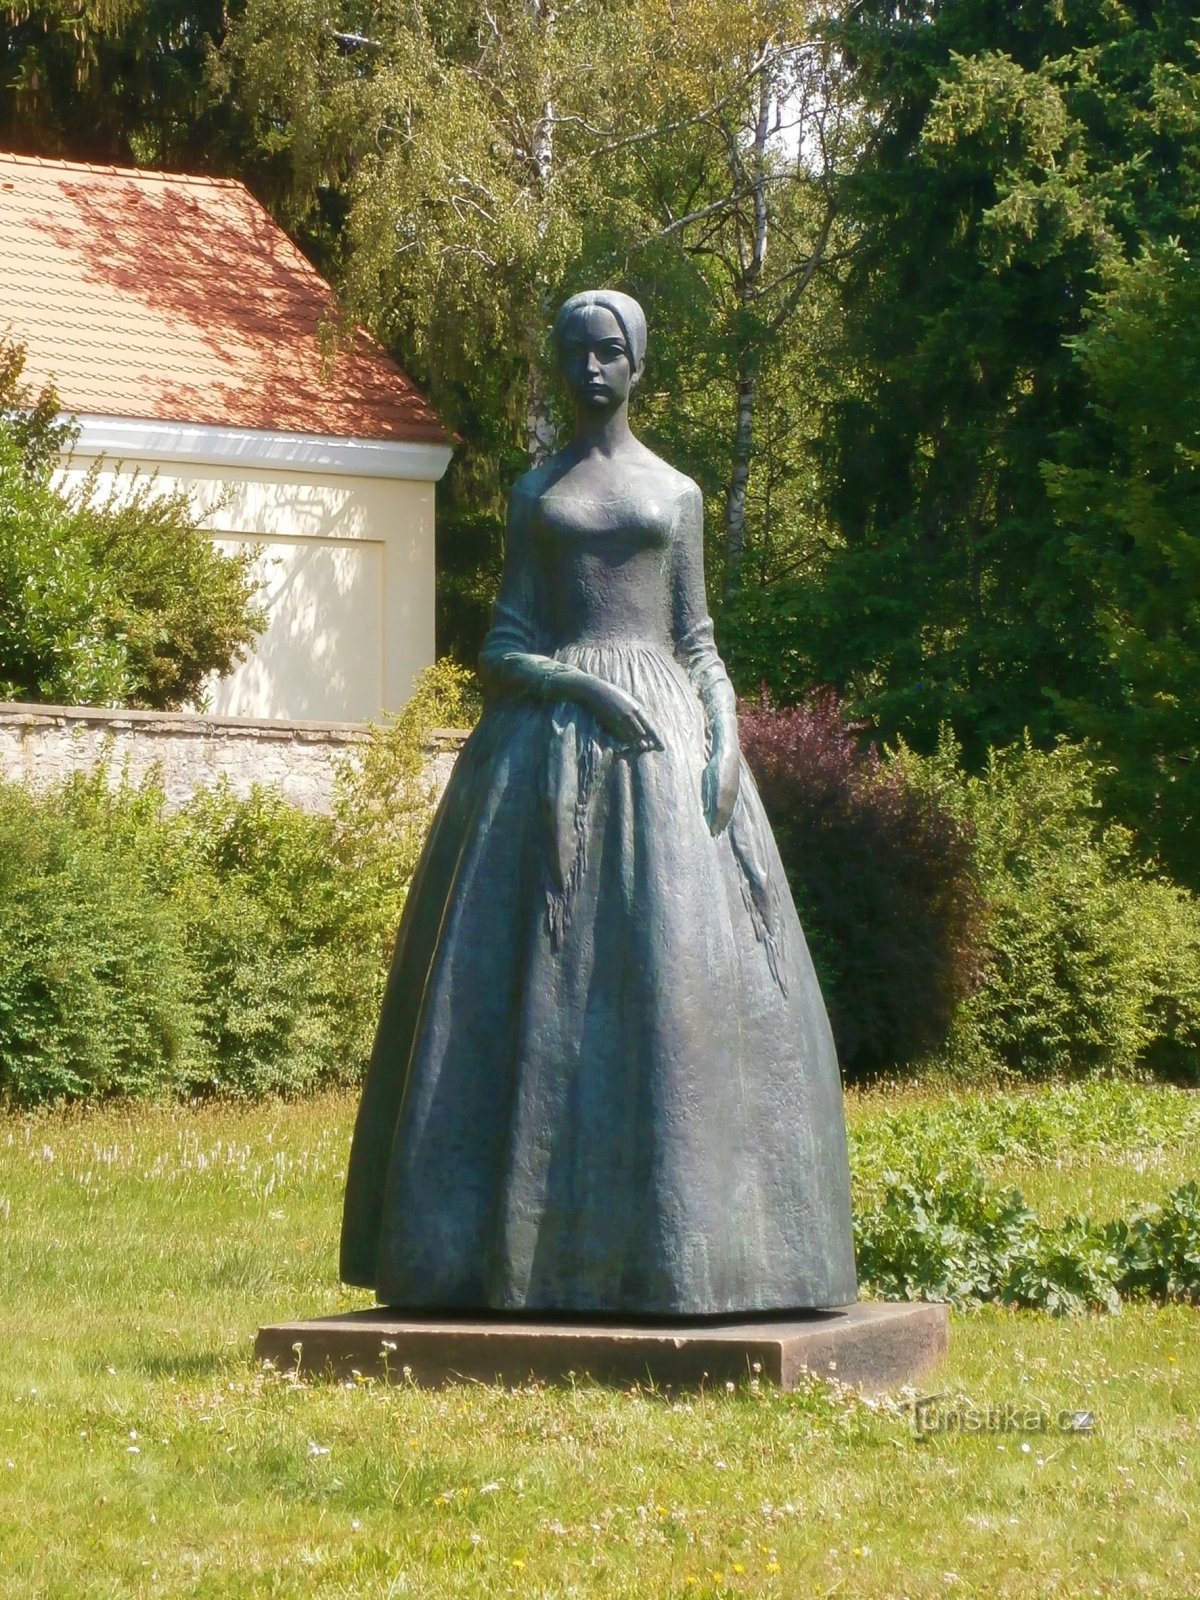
[540, 432]
[752, 258]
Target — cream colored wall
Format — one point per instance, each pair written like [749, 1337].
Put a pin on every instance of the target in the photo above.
[347, 569]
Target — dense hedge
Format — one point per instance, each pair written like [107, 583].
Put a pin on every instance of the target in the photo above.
[235, 946]
[1093, 957]
[976, 925]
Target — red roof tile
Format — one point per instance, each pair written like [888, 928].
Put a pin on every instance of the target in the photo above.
[177, 299]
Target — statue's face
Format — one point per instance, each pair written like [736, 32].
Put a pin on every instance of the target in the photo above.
[594, 359]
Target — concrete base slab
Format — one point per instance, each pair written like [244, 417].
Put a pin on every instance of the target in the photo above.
[873, 1346]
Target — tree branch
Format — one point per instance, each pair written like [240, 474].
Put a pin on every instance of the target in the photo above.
[768, 58]
[355, 41]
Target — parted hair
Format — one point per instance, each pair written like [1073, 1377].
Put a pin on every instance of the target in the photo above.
[631, 319]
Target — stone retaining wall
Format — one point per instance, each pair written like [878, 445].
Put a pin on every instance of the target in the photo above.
[44, 744]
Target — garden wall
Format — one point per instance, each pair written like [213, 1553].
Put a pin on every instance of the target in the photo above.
[41, 745]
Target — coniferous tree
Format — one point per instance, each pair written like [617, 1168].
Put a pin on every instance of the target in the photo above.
[122, 82]
[1020, 155]
[1127, 498]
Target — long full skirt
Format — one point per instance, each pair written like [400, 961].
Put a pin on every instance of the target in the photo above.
[604, 1080]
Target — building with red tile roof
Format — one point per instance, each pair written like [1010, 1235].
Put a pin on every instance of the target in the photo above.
[189, 336]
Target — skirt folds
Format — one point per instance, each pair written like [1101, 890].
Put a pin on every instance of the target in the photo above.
[604, 1080]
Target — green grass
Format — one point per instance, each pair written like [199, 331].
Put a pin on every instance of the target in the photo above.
[144, 1453]
[1096, 1148]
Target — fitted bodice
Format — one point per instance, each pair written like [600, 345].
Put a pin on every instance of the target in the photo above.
[600, 554]
[604, 566]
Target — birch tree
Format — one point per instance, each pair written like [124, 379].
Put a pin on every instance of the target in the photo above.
[445, 136]
[467, 163]
[748, 194]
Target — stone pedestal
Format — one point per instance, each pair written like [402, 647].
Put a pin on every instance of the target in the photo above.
[873, 1346]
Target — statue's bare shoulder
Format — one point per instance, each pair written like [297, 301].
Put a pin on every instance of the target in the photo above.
[637, 471]
[530, 487]
[684, 491]
[667, 480]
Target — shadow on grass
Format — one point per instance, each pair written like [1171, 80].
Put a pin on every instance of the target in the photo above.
[187, 1363]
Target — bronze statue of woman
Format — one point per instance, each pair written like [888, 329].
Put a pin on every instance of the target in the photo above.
[604, 1079]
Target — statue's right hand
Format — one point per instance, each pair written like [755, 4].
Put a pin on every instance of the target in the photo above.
[621, 714]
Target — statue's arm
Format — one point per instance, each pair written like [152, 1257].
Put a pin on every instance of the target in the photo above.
[510, 662]
[697, 652]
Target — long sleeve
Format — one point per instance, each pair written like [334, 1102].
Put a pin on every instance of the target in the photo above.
[695, 648]
[511, 660]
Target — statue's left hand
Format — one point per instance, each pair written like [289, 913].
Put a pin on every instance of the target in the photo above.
[719, 785]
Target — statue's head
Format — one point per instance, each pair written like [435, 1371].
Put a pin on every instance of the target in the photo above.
[600, 341]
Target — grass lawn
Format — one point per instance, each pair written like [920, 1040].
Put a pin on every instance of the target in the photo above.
[143, 1452]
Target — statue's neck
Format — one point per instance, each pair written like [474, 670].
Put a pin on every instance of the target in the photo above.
[604, 435]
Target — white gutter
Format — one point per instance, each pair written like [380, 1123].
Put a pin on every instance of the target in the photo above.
[204, 445]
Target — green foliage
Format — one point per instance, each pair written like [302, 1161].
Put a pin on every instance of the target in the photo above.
[943, 1235]
[1095, 1118]
[237, 946]
[382, 804]
[105, 599]
[94, 985]
[1095, 958]
[1159, 1248]
[948, 1234]
[935, 1221]
[278, 990]
[1021, 153]
[179, 608]
[52, 641]
[1128, 496]
[117, 81]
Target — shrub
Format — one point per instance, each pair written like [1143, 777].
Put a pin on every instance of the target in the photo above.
[883, 876]
[276, 985]
[237, 946]
[95, 985]
[179, 608]
[383, 804]
[53, 644]
[115, 599]
[1094, 959]
[217, 949]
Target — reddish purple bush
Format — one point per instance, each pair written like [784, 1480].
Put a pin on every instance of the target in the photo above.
[883, 878]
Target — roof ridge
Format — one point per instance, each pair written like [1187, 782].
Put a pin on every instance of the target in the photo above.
[147, 174]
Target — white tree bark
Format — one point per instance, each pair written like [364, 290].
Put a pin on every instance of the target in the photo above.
[540, 432]
[753, 256]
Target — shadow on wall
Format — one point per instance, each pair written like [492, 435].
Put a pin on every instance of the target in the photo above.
[321, 656]
[307, 510]
[271, 501]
